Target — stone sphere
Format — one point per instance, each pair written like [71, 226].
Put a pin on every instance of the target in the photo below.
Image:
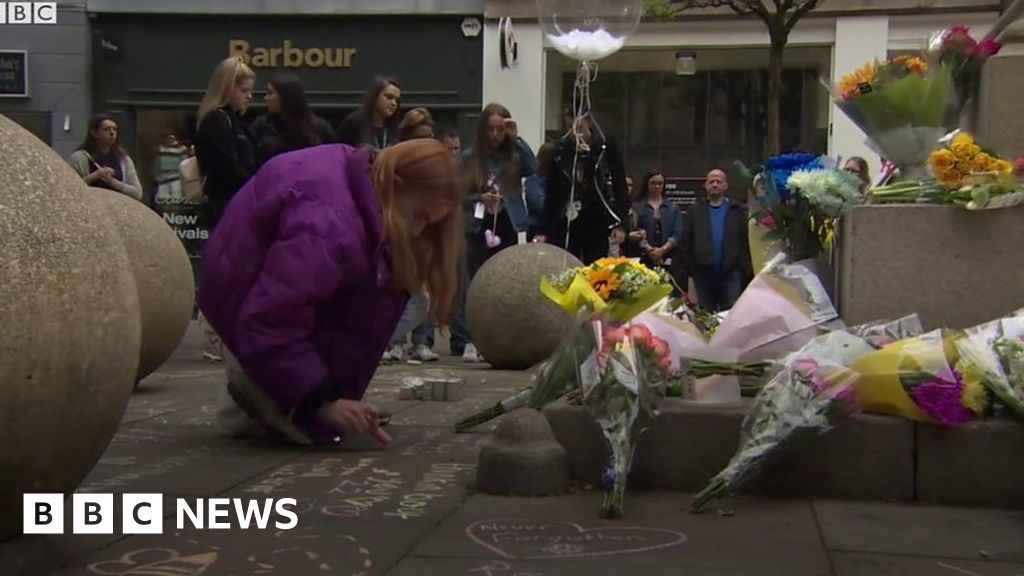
[511, 323]
[163, 275]
[71, 330]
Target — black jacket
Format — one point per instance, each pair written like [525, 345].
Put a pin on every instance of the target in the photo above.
[226, 151]
[600, 190]
[356, 132]
[698, 252]
[270, 141]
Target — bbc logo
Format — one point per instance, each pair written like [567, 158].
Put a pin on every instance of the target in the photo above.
[28, 12]
[92, 514]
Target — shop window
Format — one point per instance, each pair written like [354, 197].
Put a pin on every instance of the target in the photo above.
[688, 124]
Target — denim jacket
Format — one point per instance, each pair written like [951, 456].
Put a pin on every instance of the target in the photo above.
[671, 221]
[519, 204]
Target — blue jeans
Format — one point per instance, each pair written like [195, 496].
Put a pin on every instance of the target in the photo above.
[424, 334]
[717, 291]
[415, 312]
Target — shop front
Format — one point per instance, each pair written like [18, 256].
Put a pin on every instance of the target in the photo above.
[150, 71]
[687, 96]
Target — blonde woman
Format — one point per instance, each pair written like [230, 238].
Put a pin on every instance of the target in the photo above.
[225, 147]
[101, 161]
[226, 152]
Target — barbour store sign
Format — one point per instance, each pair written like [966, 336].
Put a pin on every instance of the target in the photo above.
[289, 56]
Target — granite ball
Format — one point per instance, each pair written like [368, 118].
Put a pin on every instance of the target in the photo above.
[71, 329]
[511, 323]
[163, 275]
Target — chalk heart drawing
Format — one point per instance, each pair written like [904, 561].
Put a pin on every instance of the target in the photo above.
[156, 562]
[533, 540]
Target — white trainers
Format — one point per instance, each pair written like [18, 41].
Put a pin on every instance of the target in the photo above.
[394, 355]
[471, 355]
[421, 353]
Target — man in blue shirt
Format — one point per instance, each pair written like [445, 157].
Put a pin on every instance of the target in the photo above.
[715, 247]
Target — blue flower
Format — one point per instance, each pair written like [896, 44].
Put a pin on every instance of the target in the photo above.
[782, 167]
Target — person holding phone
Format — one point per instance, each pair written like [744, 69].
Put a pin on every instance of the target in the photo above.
[101, 161]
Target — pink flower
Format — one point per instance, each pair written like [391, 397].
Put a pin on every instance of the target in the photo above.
[665, 363]
[988, 48]
[639, 332]
[768, 222]
[806, 367]
[659, 347]
[615, 336]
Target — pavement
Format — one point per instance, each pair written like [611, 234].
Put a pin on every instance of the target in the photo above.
[410, 510]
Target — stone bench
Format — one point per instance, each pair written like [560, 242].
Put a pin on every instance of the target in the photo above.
[870, 457]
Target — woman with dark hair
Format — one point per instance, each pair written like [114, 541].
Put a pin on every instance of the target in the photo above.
[289, 124]
[659, 224]
[859, 168]
[376, 122]
[101, 161]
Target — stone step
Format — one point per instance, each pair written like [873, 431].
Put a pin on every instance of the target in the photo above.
[869, 457]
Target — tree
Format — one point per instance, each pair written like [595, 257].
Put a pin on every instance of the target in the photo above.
[778, 16]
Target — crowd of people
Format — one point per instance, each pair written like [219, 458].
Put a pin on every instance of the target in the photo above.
[324, 261]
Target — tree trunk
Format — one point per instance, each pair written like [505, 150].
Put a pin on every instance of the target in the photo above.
[778, 48]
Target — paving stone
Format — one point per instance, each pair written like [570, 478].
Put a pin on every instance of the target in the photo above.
[402, 483]
[322, 547]
[977, 464]
[604, 566]
[777, 535]
[846, 564]
[523, 458]
[922, 530]
[577, 430]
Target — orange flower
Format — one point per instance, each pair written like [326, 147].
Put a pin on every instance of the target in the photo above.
[1002, 166]
[849, 86]
[942, 159]
[915, 65]
[982, 163]
[611, 262]
[604, 281]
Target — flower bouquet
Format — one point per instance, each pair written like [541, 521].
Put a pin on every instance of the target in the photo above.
[902, 106]
[782, 309]
[957, 50]
[613, 290]
[621, 385]
[922, 379]
[994, 352]
[805, 223]
[811, 394]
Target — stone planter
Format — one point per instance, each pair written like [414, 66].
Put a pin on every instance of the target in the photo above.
[953, 267]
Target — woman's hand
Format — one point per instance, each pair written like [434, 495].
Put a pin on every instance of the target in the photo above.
[637, 235]
[354, 418]
[491, 200]
[617, 237]
[99, 174]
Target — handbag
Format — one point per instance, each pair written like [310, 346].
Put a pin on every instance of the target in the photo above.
[192, 180]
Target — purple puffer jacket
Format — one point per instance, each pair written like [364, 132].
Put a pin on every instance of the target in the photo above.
[295, 277]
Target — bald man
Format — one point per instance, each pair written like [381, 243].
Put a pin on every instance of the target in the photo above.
[715, 246]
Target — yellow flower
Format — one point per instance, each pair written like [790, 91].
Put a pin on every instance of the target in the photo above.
[942, 159]
[915, 65]
[982, 163]
[1002, 166]
[963, 147]
[949, 176]
[612, 262]
[973, 397]
[604, 281]
[849, 86]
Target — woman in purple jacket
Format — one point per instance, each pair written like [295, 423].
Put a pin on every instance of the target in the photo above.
[306, 276]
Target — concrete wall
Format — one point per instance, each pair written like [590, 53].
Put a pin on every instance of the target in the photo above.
[953, 267]
[58, 73]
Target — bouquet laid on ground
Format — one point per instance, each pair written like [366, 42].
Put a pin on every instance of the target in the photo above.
[957, 50]
[994, 353]
[783, 308]
[921, 379]
[902, 106]
[812, 393]
[621, 385]
[612, 290]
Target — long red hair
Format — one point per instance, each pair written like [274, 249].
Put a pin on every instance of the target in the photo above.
[429, 261]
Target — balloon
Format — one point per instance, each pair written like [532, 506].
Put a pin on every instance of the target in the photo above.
[589, 30]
